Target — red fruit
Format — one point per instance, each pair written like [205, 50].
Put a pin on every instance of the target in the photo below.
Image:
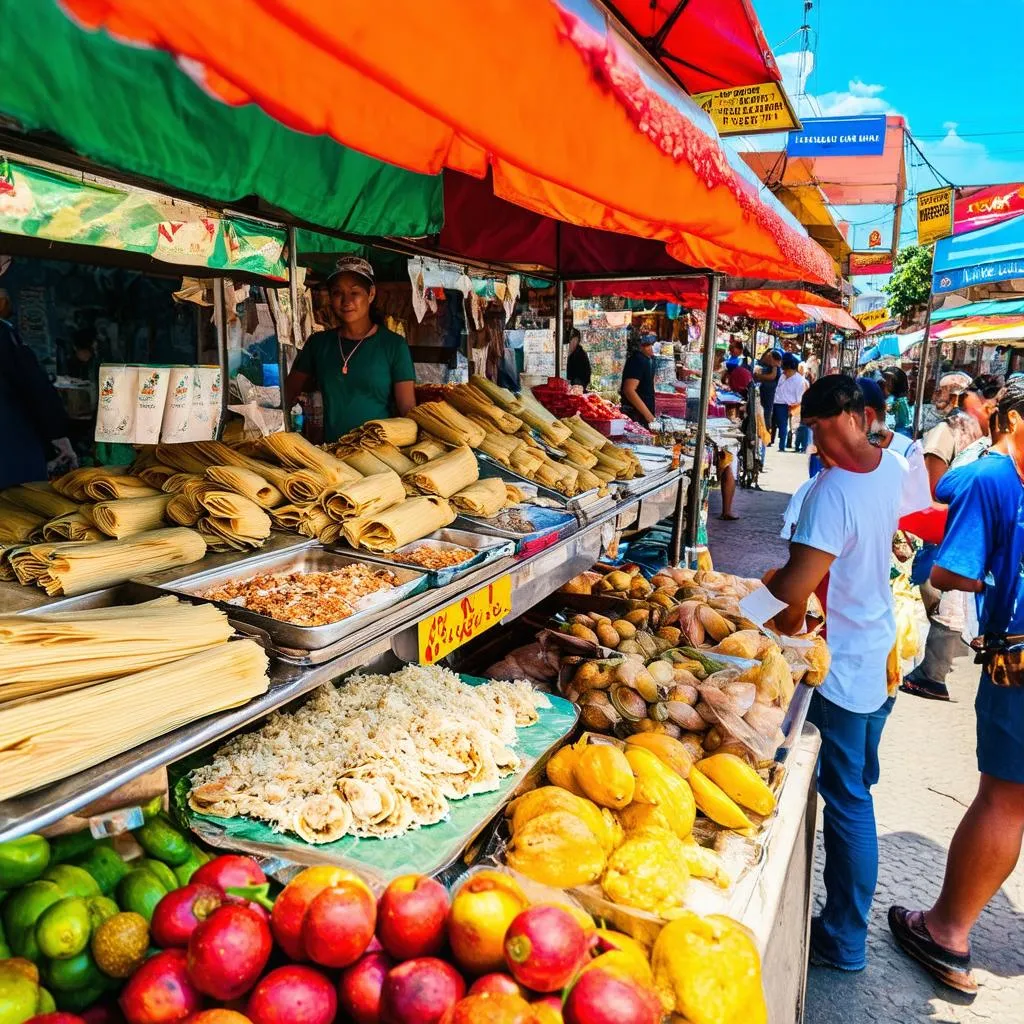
[544, 947]
[231, 870]
[56, 1018]
[359, 988]
[420, 992]
[499, 983]
[160, 991]
[554, 1001]
[599, 997]
[228, 951]
[412, 917]
[180, 912]
[293, 995]
[338, 925]
[219, 1017]
[290, 907]
[490, 1008]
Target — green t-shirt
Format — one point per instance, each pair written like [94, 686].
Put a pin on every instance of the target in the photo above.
[366, 392]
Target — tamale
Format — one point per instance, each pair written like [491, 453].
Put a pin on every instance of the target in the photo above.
[74, 526]
[295, 451]
[43, 501]
[364, 462]
[19, 524]
[125, 516]
[72, 484]
[247, 483]
[174, 484]
[107, 488]
[156, 475]
[447, 423]
[303, 486]
[500, 396]
[390, 456]
[425, 449]
[485, 498]
[363, 497]
[288, 517]
[413, 519]
[446, 474]
[399, 431]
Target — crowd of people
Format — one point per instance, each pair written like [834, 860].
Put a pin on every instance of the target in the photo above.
[843, 524]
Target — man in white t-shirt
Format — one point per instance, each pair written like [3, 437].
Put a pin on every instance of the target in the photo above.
[845, 529]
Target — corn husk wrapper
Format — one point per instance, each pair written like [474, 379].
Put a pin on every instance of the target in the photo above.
[411, 520]
[72, 484]
[43, 501]
[19, 524]
[363, 497]
[108, 488]
[399, 431]
[501, 397]
[485, 498]
[125, 516]
[446, 474]
[364, 462]
[426, 449]
[447, 423]
[247, 483]
[76, 526]
[294, 451]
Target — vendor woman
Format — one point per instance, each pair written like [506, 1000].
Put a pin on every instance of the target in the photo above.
[363, 370]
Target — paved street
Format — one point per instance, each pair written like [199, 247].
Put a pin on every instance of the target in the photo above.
[929, 776]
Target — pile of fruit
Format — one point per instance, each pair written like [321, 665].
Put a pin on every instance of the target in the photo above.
[622, 817]
[674, 656]
[75, 917]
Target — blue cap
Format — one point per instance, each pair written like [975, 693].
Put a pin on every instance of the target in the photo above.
[790, 361]
[732, 362]
[873, 396]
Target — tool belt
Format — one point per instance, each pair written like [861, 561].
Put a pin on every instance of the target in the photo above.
[1002, 657]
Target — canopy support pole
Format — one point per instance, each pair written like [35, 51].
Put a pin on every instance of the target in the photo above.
[559, 324]
[220, 319]
[697, 476]
[922, 370]
[293, 303]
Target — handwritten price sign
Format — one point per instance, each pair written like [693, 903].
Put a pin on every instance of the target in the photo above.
[464, 619]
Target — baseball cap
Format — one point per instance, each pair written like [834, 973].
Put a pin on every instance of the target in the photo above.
[873, 396]
[955, 382]
[353, 265]
[732, 362]
[790, 361]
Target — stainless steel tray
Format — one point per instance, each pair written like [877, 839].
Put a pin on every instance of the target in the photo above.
[488, 549]
[287, 637]
[546, 520]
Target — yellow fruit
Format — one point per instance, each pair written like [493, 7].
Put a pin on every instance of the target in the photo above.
[704, 863]
[558, 849]
[647, 871]
[625, 965]
[708, 971]
[658, 785]
[625, 630]
[604, 775]
[637, 817]
[738, 780]
[715, 804]
[560, 769]
[668, 750]
[552, 798]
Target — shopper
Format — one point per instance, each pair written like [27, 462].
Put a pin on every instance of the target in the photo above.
[897, 387]
[944, 399]
[363, 370]
[738, 351]
[737, 376]
[845, 529]
[942, 445]
[982, 554]
[32, 416]
[577, 365]
[767, 373]
[637, 391]
[788, 394]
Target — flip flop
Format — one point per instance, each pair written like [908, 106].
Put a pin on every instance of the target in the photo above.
[729, 519]
[922, 691]
[944, 965]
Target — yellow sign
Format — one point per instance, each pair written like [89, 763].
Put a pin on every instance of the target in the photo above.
[464, 619]
[748, 109]
[934, 215]
[873, 318]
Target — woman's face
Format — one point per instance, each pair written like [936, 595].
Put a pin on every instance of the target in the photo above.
[350, 298]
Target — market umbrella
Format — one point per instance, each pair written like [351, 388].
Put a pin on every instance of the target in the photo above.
[573, 128]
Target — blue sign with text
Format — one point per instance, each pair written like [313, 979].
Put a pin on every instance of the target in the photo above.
[839, 136]
[987, 273]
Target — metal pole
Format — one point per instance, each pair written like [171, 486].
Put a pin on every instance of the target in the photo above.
[293, 301]
[559, 325]
[708, 369]
[220, 316]
[922, 371]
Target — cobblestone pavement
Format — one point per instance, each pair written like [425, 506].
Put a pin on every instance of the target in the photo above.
[929, 776]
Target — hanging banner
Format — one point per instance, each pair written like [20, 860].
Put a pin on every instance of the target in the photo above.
[36, 202]
[934, 215]
[748, 110]
[864, 263]
[982, 207]
[839, 136]
[873, 318]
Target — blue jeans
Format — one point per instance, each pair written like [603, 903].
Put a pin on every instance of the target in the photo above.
[781, 417]
[803, 437]
[847, 769]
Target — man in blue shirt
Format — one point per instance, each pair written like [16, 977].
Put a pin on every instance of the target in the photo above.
[983, 554]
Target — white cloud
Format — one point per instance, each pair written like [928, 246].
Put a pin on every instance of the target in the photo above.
[966, 162]
[859, 88]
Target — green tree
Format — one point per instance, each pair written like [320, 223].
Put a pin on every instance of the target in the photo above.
[911, 282]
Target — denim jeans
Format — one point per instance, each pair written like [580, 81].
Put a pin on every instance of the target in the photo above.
[847, 769]
[781, 414]
[803, 437]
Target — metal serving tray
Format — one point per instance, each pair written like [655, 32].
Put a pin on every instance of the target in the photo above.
[546, 520]
[488, 549]
[288, 636]
[492, 468]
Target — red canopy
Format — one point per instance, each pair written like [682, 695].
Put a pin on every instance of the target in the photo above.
[703, 44]
[571, 125]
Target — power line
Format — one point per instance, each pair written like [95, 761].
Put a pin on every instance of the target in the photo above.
[939, 176]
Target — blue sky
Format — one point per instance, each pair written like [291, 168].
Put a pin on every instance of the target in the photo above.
[950, 67]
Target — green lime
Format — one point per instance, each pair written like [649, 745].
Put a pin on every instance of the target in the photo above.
[75, 881]
[63, 929]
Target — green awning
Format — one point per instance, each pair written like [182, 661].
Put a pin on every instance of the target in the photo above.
[135, 111]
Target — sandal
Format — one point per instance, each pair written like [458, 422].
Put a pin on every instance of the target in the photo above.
[917, 690]
[944, 965]
[728, 518]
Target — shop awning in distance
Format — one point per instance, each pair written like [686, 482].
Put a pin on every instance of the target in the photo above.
[845, 180]
[979, 257]
[575, 126]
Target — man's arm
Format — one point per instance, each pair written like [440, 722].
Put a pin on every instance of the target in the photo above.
[296, 383]
[936, 467]
[629, 390]
[795, 582]
[405, 396]
[943, 579]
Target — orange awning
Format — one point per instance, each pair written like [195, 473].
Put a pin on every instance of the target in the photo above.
[570, 125]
